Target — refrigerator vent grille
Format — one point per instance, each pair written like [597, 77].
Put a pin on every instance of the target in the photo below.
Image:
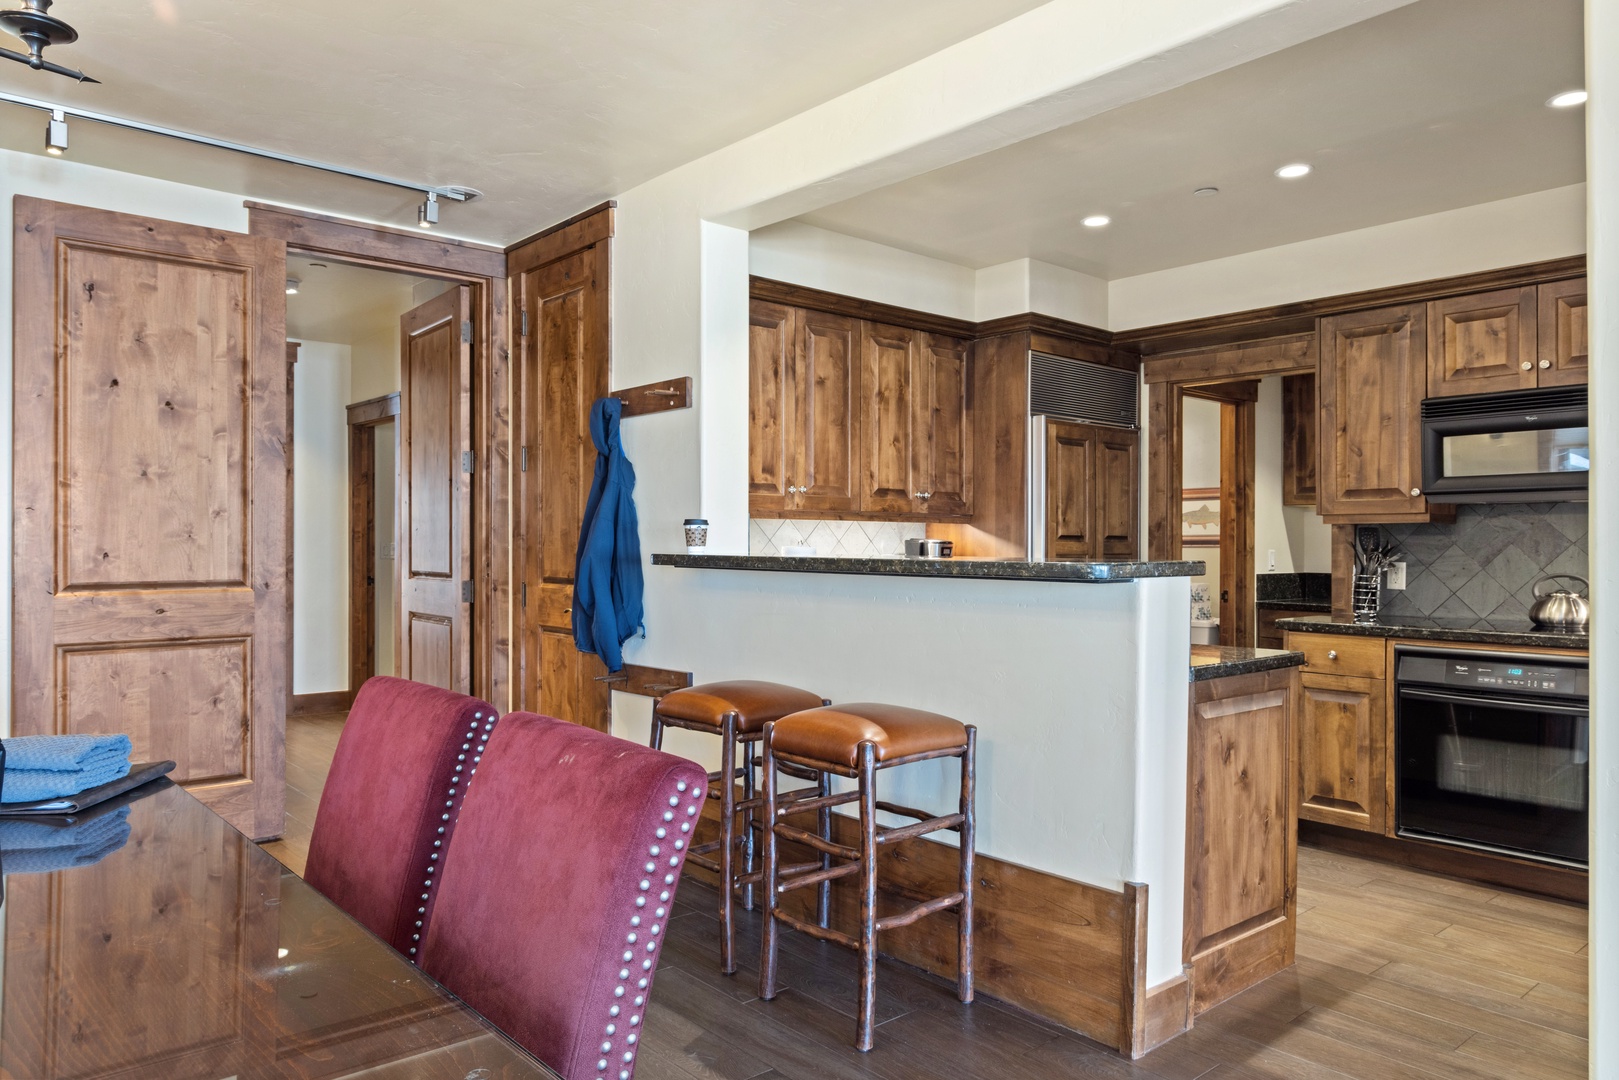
[1084, 392]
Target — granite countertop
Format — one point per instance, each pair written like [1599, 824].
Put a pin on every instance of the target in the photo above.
[1323, 606]
[1219, 662]
[1477, 631]
[998, 569]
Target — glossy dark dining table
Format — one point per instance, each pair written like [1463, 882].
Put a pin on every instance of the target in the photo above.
[190, 952]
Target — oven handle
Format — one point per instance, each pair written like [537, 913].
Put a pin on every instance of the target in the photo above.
[1521, 704]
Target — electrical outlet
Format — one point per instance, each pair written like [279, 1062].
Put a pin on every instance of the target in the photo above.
[1273, 560]
[1396, 575]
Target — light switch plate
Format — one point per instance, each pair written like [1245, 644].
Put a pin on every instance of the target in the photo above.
[1273, 560]
[1396, 575]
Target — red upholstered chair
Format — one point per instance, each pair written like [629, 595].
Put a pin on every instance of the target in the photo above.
[402, 767]
[556, 895]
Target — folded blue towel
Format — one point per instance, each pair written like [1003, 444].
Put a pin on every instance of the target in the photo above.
[51, 766]
[29, 847]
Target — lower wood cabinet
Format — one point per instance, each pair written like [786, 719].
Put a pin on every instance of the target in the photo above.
[1343, 733]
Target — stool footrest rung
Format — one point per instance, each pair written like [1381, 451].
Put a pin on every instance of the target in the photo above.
[787, 882]
[825, 933]
[921, 828]
[704, 849]
[804, 836]
[904, 811]
[711, 865]
[906, 918]
[789, 805]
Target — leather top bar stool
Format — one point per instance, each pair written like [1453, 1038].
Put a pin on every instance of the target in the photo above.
[858, 741]
[737, 711]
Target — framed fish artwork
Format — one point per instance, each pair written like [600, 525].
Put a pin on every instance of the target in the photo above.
[1200, 517]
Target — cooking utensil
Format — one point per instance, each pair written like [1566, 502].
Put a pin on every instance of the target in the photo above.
[1562, 608]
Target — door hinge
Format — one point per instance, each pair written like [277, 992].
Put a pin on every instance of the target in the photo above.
[466, 461]
[522, 460]
[524, 320]
[466, 331]
[466, 591]
[523, 590]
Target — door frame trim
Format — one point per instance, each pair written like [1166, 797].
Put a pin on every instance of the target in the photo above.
[483, 268]
[364, 417]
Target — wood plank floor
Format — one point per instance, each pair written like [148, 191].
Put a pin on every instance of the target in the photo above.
[1402, 975]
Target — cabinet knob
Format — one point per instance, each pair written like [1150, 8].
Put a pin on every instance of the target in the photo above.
[1415, 492]
[927, 494]
[1544, 364]
[1332, 654]
[1526, 365]
[791, 490]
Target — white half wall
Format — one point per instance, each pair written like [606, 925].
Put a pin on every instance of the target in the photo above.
[68, 181]
[320, 519]
[1529, 228]
[822, 259]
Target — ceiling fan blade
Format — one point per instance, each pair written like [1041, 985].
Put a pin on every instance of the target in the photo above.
[46, 65]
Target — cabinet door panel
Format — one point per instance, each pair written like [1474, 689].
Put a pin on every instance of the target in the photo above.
[1342, 736]
[823, 387]
[1481, 343]
[1373, 376]
[1565, 348]
[943, 445]
[770, 446]
[1300, 423]
[1070, 490]
[1117, 507]
[887, 419]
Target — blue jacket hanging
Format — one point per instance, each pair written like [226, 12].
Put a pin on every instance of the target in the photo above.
[607, 574]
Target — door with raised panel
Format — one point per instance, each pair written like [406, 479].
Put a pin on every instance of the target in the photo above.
[943, 443]
[149, 496]
[1372, 380]
[822, 419]
[1565, 346]
[1342, 737]
[1117, 503]
[1071, 453]
[772, 333]
[888, 358]
[435, 492]
[1481, 343]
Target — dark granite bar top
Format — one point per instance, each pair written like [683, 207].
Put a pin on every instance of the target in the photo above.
[999, 569]
[1323, 606]
[1477, 632]
[1219, 662]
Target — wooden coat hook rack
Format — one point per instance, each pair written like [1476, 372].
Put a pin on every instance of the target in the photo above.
[655, 397]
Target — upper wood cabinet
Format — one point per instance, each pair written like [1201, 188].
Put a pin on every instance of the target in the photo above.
[943, 444]
[1092, 485]
[802, 379]
[1564, 353]
[1481, 343]
[1371, 384]
[915, 434]
[1300, 425]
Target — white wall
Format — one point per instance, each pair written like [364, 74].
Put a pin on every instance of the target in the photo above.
[375, 341]
[65, 180]
[819, 258]
[1301, 540]
[1544, 225]
[320, 519]
[1200, 468]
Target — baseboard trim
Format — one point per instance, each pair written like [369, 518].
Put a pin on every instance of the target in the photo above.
[1167, 1012]
[331, 701]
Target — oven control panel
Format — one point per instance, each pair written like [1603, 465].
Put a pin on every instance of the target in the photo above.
[1521, 675]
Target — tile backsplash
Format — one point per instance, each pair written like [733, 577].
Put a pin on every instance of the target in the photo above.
[849, 539]
[1486, 565]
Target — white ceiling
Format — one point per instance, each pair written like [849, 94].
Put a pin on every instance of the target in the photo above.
[547, 107]
[1427, 108]
[341, 303]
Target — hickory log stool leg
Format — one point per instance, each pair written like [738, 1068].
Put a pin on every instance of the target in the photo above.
[859, 741]
[736, 711]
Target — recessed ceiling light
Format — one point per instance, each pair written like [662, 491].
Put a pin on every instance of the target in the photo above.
[1205, 192]
[1568, 99]
[292, 286]
[1294, 171]
[1095, 221]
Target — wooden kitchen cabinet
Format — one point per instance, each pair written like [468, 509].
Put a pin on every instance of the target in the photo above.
[1342, 751]
[1092, 477]
[802, 380]
[1300, 425]
[1482, 343]
[1564, 347]
[915, 417]
[1373, 377]
[942, 435]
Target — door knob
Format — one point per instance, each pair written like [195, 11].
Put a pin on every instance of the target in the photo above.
[1526, 365]
[1544, 364]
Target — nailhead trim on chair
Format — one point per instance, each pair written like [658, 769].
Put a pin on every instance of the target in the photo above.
[452, 805]
[631, 939]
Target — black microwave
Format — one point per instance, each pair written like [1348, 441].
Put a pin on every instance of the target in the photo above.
[1515, 446]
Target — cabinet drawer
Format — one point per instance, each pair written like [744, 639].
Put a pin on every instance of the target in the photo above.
[1327, 654]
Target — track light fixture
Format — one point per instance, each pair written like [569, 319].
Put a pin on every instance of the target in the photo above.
[427, 213]
[292, 286]
[56, 133]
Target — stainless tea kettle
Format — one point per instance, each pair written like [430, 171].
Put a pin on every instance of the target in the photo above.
[1561, 608]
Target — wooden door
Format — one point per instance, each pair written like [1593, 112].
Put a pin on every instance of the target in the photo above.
[562, 371]
[942, 443]
[1342, 740]
[1481, 343]
[772, 339]
[1373, 377]
[1070, 494]
[149, 465]
[1118, 509]
[1564, 353]
[823, 418]
[1300, 422]
[889, 483]
[435, 492]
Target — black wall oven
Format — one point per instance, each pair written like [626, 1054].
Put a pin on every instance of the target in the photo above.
[1492, 752]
